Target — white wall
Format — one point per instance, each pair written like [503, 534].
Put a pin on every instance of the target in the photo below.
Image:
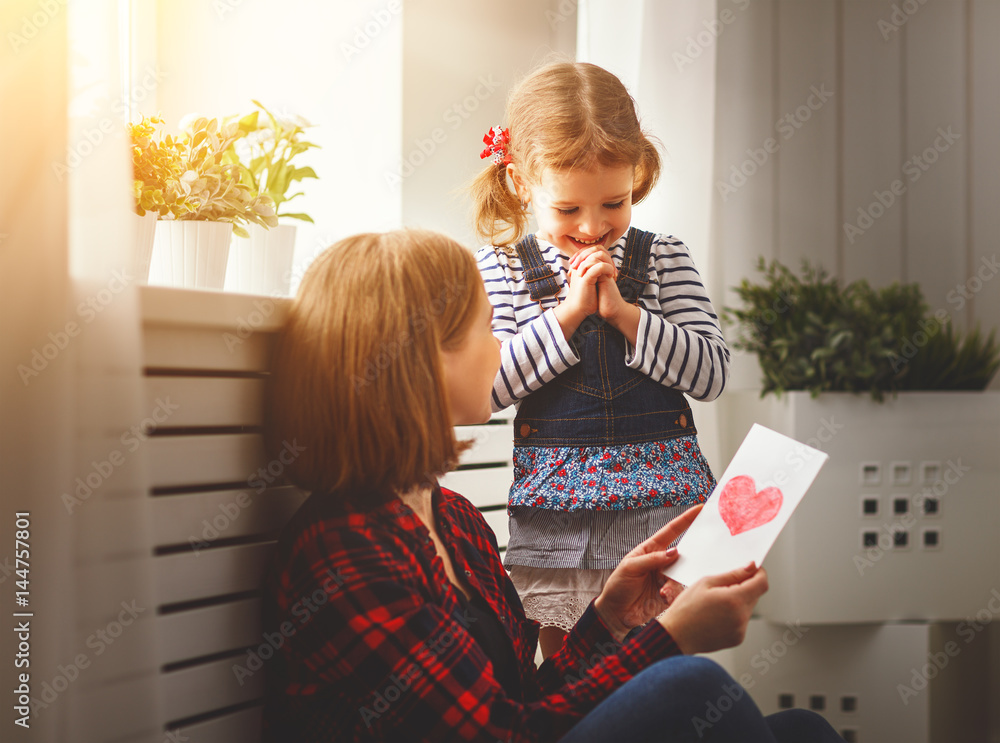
[401, 93]
[460, 59]
[896, 78]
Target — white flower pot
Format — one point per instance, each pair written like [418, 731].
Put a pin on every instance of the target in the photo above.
[190, 254]
[262, 263]
[144, 230]
[923, 464]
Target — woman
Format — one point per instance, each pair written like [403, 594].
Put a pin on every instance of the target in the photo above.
[398, 621]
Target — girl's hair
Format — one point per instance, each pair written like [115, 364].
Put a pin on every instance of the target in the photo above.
[562, 116]
[357, 382]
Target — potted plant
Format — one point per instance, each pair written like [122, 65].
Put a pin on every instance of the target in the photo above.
[202, 203]
[156, 164]
[813, 334]
[260, 263]
[896, 396]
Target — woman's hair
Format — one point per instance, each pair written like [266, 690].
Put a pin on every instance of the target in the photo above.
[562, 116]
[357, 382]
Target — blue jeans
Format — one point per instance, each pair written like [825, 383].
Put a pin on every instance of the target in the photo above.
[686, 699]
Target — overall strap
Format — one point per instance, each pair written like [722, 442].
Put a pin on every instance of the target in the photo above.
[538, 274]
[634, 272]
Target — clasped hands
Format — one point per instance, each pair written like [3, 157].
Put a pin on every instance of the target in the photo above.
[592, 290]
[711, 614]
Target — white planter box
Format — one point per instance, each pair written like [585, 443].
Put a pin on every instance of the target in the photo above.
[918, 476]
[884, 683]
[262, 263]
[190, 254]
[142, 252]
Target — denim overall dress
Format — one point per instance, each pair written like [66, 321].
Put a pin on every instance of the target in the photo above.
[599, 401]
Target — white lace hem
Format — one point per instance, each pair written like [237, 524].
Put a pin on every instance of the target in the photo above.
[560, 611]
[557, 597]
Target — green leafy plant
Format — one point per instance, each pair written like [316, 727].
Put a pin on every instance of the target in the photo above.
[949, 362]
[186, 178]
[814, 334]
[266, 151]
[213, 188]
[156, 168]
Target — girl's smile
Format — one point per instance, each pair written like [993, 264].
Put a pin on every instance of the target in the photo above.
[581, 208]
[587, 243]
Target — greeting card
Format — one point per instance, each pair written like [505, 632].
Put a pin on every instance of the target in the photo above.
[752, 502]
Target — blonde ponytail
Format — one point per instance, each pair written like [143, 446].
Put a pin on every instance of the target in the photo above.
[647, 170]
[498, 215]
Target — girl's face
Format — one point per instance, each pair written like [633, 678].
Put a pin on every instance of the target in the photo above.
[471, 366]
[579, 209]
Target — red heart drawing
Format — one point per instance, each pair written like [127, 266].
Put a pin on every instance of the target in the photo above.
[744, 508]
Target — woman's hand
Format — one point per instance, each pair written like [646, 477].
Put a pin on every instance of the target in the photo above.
[713, 613]
[637, 590]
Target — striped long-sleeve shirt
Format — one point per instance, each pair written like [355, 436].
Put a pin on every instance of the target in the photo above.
[679, 343]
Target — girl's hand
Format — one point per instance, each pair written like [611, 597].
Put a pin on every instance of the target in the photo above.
[637, 590]
[610, 304]
[589, 254]
[594, 267]
[713, 613]
[620, 314]
[581, 300]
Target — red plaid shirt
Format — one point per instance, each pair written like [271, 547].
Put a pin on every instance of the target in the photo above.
[373, 644]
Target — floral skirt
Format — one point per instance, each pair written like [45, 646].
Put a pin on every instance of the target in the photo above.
[572, 478]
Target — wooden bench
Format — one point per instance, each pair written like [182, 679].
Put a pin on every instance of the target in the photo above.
[218, 503]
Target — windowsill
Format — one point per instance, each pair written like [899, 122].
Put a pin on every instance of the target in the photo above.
[198, 308]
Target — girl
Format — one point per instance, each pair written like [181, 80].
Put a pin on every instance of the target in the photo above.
[604, 328]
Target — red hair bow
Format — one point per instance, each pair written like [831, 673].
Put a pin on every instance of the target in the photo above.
[497, 141]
